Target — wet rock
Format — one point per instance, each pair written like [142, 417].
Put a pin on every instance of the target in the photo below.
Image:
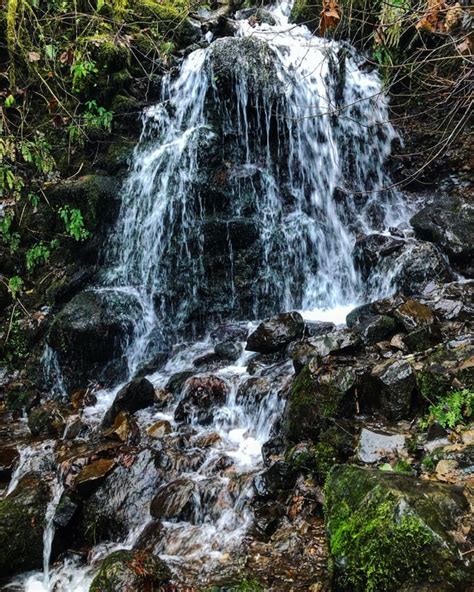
[89, 333]
[124, 428]
[396, 383]
[201, 395]
[449, 223]
[273, 449]
[256, 16]
[209, 361]
[317, 328]
[119, 502]
[243, 58]
[74, 427]
[263, 362]
[375, 445]
[318, 395]
[251, 392]
[228, 350]
[137, 394]
[371, 248]
[22, 520]
[90, 477]
[449, 366]
[130, 571]
[389, 532]
[66, 509]
[417, 265]
[422, 339]
[207, 440]
[453, 301]
[150, 536]
[276, 333]
[280, 477]
[364, 312]
[8, 459]
[414, 315]
[48, 420]
[175, 500]
[159, 429]
[377, 328]
[337, 342]
[267, 515]
[176, 381]
[229, 332]
[163, 398]
[82, 398]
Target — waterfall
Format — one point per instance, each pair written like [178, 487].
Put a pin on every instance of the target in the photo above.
[253, 176]
[302, 126]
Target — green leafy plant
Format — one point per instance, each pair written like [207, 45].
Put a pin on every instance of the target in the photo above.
[15, 286]
[98, 117]
[37, 255]
[451, 410]
[81, 70]
[74, 222]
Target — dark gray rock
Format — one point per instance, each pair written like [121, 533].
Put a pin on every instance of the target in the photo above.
[449, 223]
[22, 520]
[273, 335]
[137, 394]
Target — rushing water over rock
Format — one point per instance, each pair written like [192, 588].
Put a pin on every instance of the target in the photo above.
[252, 178]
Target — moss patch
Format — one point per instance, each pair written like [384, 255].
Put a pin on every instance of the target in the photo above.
[387, 531]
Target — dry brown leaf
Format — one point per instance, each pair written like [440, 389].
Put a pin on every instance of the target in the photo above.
[34, 56]
[330, 16]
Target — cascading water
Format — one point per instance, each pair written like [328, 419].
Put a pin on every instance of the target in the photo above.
[298, 127]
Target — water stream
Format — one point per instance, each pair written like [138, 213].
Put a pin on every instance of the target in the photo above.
[304, 127]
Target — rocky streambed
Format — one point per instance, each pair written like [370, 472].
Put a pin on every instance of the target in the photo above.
[288, 454]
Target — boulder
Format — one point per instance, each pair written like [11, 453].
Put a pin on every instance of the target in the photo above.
[392, 532]
[396, 384]
[375, 445]
[129, 571]
[90, 333]
[414, 315]
[249, 60]
[449, 366]
[202, 394]
[376, 328]
[317, 328]
[449, 223]
[318, 395]
[370, 249]
[176, 381]
[273, 335]
[176, 500]
[280, 477]
[228, 350]
[417, 265]
[137, 394]
[22, 520]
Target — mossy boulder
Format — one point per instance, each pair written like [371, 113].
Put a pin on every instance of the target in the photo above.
[449, 366]
[22, 520]
[319, 394]
[94, 195]
[129, 571]
[90, 333]
[389, 532]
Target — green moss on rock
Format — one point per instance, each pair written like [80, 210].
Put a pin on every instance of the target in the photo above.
[22, 520]
[388, 530]
[129, 571]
